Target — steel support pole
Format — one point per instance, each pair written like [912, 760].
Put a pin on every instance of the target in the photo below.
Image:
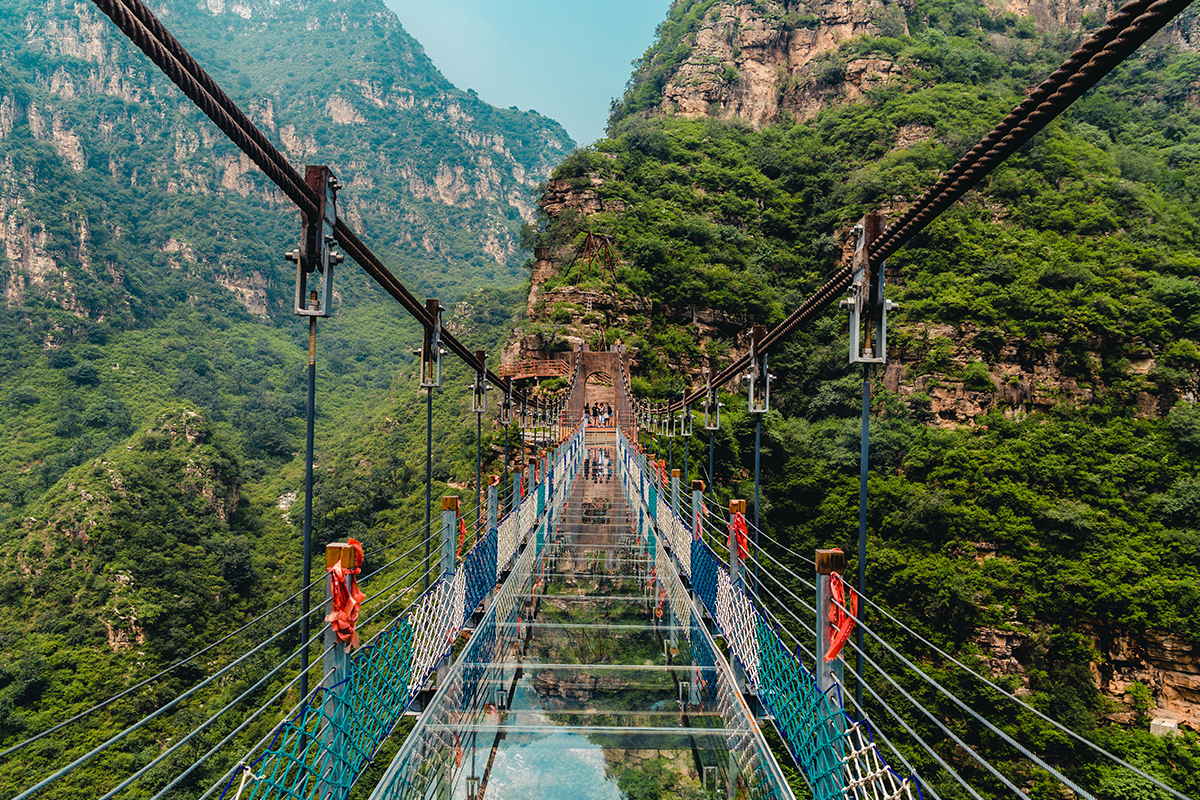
[306, 569]
[863, 454]
[428, 475]
[757, 464]
[478, 472]
[712, 480]
[687, 475]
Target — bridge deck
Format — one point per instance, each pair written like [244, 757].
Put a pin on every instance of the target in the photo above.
[588, 686]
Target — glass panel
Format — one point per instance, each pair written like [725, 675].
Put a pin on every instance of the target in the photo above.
[585, 679]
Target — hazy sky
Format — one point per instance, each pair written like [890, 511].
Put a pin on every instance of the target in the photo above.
[566, 59]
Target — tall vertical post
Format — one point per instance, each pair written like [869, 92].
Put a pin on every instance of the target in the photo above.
[314, 258]
[869, 309]
[335, 709]
[698, 510]
[431, 378]
[479, 406]
[685, 429]
[757, 462]
[863, 453]
[306, 569]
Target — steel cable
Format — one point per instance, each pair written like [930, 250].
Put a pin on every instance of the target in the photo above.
[1122, 35]
[905, 725]
[1057, 725]
[266, 739]
[147, 32]
[145, 720]
[159, 674]
[1093, 45]
[228, 706]
[963, 706]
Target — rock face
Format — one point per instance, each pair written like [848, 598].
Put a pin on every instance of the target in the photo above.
[95, 119]
[1167, 665]
[757, 61]
[754, 61]
[1022, 376]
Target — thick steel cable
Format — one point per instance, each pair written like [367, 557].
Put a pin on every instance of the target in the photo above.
[157, 675]
[146, 31]
[1093, 45]
[1121, 36]
[1017, 131]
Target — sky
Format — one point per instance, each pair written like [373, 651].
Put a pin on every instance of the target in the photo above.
[565, 59]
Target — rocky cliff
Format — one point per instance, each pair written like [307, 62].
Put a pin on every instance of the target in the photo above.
[761, 61]
[91, 128]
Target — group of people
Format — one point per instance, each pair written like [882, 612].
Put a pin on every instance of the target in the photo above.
[599, 414]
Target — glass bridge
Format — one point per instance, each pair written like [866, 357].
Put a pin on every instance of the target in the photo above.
[591, 676]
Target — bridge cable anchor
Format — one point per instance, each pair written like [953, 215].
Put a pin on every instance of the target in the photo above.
[315, 253]
[867, 304]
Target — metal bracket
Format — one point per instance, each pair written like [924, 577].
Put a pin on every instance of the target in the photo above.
[685, 419]
[431, 349]
[480, 387]
[505, 416]
[712, 405]
[315, 253]
[760, 378]
[867, 304]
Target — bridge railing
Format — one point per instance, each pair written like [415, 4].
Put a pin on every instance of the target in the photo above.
[323, 748]
[835, 751]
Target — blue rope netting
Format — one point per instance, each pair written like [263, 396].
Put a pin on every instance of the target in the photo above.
[368, 703]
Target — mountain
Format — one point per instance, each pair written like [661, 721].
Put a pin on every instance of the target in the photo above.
[121, 204]
[1032, 453]
[152, 393]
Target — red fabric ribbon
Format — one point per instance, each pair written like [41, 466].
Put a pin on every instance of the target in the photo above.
[462, 537]
[737, 533]
[696, 525]
[347, 599]
[841, 622]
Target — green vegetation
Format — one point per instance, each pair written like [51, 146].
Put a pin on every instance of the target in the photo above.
[1061, 521]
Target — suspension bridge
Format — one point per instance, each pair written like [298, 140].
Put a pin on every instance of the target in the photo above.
[601, 622]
